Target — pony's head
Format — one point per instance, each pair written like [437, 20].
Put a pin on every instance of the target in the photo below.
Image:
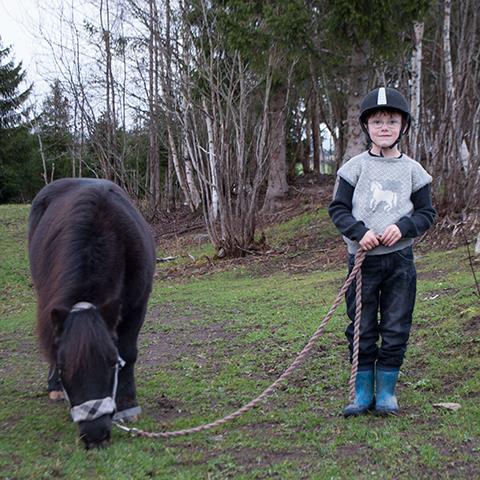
[87, 361]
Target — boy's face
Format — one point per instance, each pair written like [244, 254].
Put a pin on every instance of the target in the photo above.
[384, 128]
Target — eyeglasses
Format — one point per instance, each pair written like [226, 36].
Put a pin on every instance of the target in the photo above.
[391, 124]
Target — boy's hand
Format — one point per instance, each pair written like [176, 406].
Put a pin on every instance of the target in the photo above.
[369, 241]
[391, 236]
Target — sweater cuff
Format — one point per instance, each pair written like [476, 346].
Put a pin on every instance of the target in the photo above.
[404, 225]
[358, 231]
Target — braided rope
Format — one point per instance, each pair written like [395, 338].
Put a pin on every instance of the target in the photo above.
[354, 274]
[356, 335]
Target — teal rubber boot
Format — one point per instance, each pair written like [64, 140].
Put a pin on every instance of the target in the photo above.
[386, 380]
[364, 398]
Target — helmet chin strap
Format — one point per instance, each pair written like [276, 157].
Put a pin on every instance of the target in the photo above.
[390, 147]
[397, 141]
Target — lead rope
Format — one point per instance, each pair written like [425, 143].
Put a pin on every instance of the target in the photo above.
[354, 274]
[356, 333]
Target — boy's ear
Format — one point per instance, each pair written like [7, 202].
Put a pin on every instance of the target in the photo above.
[110, 312]
[58, 316]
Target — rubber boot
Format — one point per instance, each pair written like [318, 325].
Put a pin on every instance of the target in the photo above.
[386, 380]
[364, 399]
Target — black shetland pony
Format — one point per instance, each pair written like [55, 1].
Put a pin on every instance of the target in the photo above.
[92, 260]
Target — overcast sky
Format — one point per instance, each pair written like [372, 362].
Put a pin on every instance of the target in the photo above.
[17, 20]
[19, 26]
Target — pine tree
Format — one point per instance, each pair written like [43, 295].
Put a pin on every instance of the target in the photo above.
[11, 99]
[54, 128]
[20, 168]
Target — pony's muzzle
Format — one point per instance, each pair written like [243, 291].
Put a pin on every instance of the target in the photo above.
[96, 433]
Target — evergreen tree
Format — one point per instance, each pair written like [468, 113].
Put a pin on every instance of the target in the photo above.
[54, 129]
[360, 45]
[20, 166]
[11, 99]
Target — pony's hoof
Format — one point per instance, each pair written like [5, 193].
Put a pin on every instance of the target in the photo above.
[56, 395]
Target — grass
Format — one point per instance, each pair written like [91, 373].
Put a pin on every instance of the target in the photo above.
[306, 224]
[212, 343]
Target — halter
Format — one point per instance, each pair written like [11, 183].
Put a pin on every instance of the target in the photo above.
[92, 409]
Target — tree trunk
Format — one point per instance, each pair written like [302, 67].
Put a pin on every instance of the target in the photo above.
[42, 156]
[108, 149]
[447, 55]
[153, 147]
[315, 131]
[416, 96]
[212, 163]
[169, 191]
[357, 90]
[277, 175]
[307, 150]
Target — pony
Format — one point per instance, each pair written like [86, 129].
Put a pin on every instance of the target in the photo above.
[92, 261]
[380, 195]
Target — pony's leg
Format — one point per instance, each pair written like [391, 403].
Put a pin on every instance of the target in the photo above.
[129, 328]
[55, 389]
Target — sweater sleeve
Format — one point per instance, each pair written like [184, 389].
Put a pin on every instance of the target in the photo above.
[340, 211]
[423, 214]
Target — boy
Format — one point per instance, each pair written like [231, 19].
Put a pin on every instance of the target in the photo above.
[383, 200]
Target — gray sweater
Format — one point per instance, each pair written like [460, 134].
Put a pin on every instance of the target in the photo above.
[375, 192]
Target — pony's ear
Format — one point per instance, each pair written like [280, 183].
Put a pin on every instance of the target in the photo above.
[110, 312]
[59, 315]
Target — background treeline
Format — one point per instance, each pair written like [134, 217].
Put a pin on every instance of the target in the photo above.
[217, 104]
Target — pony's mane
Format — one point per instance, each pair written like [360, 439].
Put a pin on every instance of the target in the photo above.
[81, 251]
[86, 342]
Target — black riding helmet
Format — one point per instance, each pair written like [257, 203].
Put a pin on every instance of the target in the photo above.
[385, 98]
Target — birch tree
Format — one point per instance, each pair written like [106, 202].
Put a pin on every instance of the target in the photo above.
[416, 95]
[226, 130]
[153, 170]
[449, 131]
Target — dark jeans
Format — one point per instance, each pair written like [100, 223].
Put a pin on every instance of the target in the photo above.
[389, 284]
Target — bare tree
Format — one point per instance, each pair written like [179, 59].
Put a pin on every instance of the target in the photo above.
[449, 130]
[225, 127]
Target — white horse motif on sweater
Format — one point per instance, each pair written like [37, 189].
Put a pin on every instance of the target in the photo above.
[380, 195]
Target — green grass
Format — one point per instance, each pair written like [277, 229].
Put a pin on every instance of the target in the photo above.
[310, 223]
[212, 343]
